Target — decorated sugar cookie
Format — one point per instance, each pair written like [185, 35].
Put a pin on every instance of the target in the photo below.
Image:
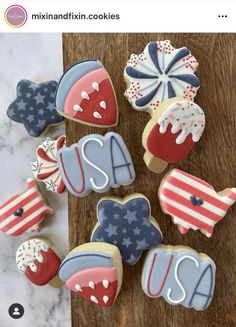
[193, 203]
[45, 168]
[93, 271]
[24, 212]
[171, 133]
[34, 107]
[159, 73]
[128, 224]
[85, 94]
[180, 275]
[38, 261]
[96, 163]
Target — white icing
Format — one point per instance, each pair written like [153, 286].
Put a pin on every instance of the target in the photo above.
[85, 95]
[105, 283]
[93, 165]
[77, 108]
[92, 285]
[105, 299]
[97, 115]
[95, 86]
[94, 299]
[103, 105]
[178, 281]
[184, 116]
[78, 288]
[30, 251]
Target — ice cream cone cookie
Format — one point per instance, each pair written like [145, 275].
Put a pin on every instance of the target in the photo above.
[94, 272]
[86, 95]
[171, 133]
[34, 107]
[95, 163]
[180, 275]
[193, 203]
[128, 224]
[38, 261]
[24, 212]
[159, 73]
[45, 168]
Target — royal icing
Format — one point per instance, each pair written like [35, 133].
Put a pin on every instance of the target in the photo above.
[45, 168]
[127, 224]
[24, 212]
[34, 106]
[86, 94]
[93, 274]
[173, 134]
[96, 163]
[160, 72]
[193, 203]
[180, 275]
[37, 261]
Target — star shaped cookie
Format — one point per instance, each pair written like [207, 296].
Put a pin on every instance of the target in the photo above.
[128, 224]
[35, 106]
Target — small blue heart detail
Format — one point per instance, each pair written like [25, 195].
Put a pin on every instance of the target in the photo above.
[195, 201]
[19, 212]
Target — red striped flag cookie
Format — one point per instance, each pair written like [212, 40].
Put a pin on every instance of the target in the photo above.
[24, 212]
[193, 203]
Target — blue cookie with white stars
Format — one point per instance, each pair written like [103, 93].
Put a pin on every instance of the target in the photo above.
[128, 224]
[35, 106]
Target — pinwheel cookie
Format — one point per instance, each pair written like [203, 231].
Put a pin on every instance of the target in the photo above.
[45, 168]
[37, 259]
[171, 133]
[159, 73]
[94, 272]
[128, 224]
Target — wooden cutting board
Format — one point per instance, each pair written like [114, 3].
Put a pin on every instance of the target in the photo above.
[213, 159]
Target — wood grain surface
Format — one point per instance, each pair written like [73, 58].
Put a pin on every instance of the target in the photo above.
[213, 159]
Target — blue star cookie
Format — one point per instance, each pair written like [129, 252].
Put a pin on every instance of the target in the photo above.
[35, 106]
[128, 224]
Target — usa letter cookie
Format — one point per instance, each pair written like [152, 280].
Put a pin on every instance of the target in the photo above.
[24, 212]
[160, 72]
[171, 133]
[193, 203]
[93, 271]
[45, 168]
[128, 224]
[180, 275]
[34, 107]
[96, 163]
[38, 261]
[85, 94]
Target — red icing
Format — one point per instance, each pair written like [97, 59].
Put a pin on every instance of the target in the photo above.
[99, 291]
[105, 93]
[164, 146]
[47, 270]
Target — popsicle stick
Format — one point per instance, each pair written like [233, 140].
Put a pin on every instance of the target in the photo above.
[154, 164]
[56, 282]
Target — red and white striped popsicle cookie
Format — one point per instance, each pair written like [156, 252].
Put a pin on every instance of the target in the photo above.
[24, 212]
[193, 203]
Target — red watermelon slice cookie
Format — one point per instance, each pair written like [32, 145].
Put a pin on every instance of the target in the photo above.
[94, 272]
[86, 94]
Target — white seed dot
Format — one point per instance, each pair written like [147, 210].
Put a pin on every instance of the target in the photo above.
[97, 115]
[105, 299]
[77, 108]
[78, 288]
[105, 283]
[103, 105]
[95, 86]
[93, 299]
[92, 285]
[85, 95]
